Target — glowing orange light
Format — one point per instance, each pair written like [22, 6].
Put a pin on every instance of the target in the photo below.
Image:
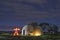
[16, 31]
[37, 34]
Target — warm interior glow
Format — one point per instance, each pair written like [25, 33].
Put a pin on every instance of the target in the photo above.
[37, 34]
[16, 31]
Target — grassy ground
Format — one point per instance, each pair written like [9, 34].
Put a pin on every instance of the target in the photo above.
[43, 37]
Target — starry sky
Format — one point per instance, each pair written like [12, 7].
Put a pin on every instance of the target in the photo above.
[22, 12]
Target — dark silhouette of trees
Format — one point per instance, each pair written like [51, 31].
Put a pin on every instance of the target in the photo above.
[53, 29]
[44, 25]
[34, 24]
[50, 28]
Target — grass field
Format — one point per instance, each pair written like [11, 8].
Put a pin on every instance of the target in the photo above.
[43, 37]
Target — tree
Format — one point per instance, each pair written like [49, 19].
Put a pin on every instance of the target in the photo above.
[44, 25]
[34, 24]
[53, 29]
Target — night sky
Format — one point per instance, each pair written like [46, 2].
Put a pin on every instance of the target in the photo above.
[22, 12]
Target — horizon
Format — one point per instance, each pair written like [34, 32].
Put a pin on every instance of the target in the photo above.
[10, 28]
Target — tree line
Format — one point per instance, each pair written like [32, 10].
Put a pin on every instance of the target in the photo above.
[50, 28]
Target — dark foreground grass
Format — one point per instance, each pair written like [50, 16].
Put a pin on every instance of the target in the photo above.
[43, 37]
